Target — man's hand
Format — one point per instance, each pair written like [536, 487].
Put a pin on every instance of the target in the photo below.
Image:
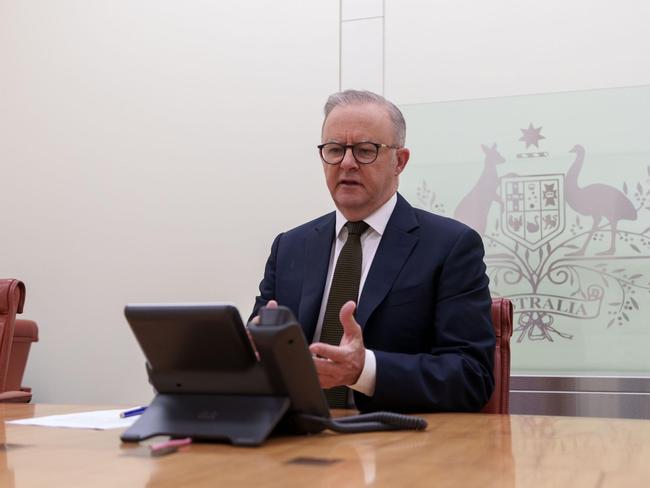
[270, 304]
[342, 364]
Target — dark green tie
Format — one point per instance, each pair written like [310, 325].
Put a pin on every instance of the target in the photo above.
[345, 287]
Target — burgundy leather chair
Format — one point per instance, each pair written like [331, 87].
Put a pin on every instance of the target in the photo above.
[502, 322]
[16, 337]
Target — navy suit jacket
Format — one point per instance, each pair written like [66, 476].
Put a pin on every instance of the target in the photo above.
[424, 308]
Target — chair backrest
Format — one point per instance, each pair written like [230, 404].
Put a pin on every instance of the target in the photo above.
[502, 322]
[12, 299]
[25, 333]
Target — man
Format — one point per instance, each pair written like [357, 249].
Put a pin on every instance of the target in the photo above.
[420, 338]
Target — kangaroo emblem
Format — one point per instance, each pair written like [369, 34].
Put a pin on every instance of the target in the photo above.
[474, 207]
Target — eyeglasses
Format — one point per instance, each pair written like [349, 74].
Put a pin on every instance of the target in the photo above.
[363, 152]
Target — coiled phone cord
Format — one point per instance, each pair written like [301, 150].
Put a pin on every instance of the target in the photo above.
[368, 422]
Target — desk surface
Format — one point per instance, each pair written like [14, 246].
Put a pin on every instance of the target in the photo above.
[457, 450]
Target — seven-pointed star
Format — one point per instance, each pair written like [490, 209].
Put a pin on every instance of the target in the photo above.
[531, 135]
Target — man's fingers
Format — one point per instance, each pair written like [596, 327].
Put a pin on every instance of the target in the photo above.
[327, 351]
[329, 373]
[351, 328]
[341, 364]
[270, 304]
[325, 367]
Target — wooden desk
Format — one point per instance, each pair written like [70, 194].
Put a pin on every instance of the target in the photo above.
[458, 450]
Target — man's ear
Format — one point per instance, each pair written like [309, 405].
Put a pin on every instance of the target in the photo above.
[403, 155]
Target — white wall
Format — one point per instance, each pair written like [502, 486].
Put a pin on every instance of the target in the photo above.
[150, 151]
[460, 49]
[419, 51]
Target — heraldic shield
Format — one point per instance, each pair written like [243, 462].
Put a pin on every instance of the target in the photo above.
[534, 210]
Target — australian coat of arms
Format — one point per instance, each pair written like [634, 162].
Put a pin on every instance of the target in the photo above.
[557, 246]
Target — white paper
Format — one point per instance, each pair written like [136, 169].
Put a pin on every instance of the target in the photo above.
[98, 419]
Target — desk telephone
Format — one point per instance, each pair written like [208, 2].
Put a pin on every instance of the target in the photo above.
[214, 382]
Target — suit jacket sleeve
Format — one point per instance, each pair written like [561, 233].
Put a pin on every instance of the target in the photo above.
[454, 373]
[267, 285]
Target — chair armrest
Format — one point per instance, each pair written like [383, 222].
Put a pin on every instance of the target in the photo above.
[15, 397]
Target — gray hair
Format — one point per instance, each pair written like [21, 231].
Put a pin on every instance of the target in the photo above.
[358, 97]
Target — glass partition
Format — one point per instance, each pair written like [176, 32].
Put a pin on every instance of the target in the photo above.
[558, 185]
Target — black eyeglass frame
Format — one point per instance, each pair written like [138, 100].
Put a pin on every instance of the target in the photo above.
[351, 147]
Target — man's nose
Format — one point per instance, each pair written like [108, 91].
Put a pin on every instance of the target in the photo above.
[348, 159]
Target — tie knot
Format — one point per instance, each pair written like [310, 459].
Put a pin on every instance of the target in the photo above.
[356, 228]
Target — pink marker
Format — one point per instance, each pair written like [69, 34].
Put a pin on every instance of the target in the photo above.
[167, 447]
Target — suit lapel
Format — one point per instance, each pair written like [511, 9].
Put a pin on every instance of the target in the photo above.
[318, 246]
[393, 251]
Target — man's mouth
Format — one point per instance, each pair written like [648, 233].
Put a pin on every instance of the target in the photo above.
[346, 182]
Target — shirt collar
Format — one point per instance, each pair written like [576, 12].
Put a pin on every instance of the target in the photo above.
[376, 220]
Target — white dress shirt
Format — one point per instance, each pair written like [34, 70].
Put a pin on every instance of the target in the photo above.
[370, 239]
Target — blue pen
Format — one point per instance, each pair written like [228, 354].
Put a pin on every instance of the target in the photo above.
[132, 412]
